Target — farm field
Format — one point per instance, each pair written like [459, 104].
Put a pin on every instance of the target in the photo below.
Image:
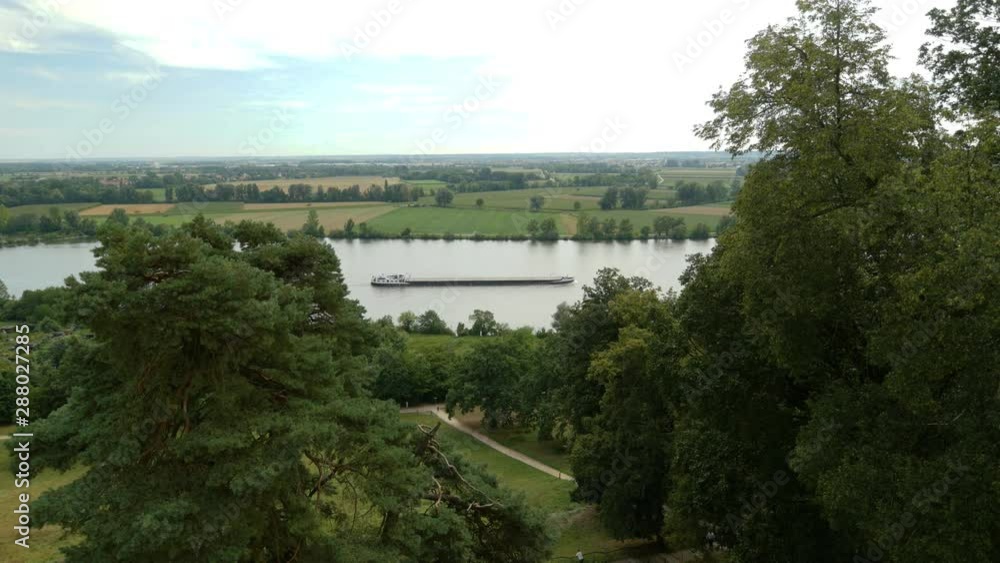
[645, 218]
[560, 199]
[440, 220]
[576, 524]
[43, 208]
[711, 210]
[325, 181]
[505, 213]
[131, 209]
[704, 175]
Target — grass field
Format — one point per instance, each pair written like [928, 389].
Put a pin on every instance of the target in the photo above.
[576, 524]
[285, 218]
[131, 209]
[326, 181]
[457, 221]
[43, 209]
[556, 199]
[703, 175]
[524, 440]
[45, 542]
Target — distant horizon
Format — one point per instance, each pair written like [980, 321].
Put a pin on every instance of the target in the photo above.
[189, 158]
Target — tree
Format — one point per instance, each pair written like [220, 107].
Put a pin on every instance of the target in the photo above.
[223, 396]
[963, 55]
[536, 202]
[587, 226]
[488, 377]
[610, 228]
[479, 203]
[625, 229]
[576, 206]
[725, 223]
[408, 321]
[431, 323]
[700, 232]
[118, 217]
[845, 394]
[4, 295]
[532, 227]
[610, 199]
[483, 324]
[4, 217]
[349, 228]
[443, 197]
[548, 229]
[312, 227]
[622, 462]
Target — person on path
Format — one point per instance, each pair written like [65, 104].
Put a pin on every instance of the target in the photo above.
[579, 555]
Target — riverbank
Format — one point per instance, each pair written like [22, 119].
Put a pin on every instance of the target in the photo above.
[387, 221]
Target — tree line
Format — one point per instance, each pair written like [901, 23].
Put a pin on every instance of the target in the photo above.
[824, 387]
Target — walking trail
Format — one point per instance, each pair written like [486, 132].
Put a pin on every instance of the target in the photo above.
[440, 412]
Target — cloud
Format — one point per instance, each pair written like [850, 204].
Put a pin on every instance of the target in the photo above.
[42, 73]
[48, 104]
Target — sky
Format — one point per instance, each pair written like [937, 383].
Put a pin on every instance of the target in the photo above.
[157, 79]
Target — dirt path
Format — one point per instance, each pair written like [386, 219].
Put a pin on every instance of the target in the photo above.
[439, 411]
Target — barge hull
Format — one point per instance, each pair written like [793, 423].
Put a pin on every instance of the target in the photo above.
[490, 281]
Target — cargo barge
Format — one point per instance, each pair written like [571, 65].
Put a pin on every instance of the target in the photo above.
[405, 280]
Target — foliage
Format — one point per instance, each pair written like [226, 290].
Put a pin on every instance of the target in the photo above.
[444, 197]
[222, 410]
[489, 377]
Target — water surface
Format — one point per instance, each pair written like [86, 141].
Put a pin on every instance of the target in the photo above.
[662, 262]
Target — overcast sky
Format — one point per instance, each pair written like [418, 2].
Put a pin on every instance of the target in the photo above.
[128, 78]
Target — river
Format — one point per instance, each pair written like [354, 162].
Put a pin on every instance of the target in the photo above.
[662, 262]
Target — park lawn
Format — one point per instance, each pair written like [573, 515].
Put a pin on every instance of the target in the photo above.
[43, 208]
[44, 542]
[576, 524]
[456, 221]
[522, 439]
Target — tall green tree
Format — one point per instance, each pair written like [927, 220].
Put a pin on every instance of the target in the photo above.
[222, 411]
[489, 377]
